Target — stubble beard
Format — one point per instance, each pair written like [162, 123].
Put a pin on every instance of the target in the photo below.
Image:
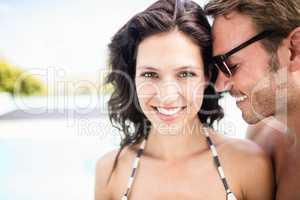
[264, 100]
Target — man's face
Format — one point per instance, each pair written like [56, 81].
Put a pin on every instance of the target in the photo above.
[252, 82]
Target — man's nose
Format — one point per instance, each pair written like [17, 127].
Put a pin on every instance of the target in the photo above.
[223, 83]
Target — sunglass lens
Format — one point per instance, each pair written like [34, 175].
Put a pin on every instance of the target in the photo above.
[222, 65]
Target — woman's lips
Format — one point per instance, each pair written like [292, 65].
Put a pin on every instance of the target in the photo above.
[168, 114]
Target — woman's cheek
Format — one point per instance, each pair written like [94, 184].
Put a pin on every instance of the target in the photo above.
[146, 88]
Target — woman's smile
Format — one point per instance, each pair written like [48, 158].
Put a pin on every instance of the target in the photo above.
[168, 114]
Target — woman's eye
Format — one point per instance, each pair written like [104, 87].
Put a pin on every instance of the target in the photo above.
[186, 74]
[149, 75]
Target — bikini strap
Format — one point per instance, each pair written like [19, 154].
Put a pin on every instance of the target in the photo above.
[135, 165]
[229, 194]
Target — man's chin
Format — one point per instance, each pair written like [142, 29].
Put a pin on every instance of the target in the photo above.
[252, 118]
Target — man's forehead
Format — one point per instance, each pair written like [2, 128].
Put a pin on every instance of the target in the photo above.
[230, 31]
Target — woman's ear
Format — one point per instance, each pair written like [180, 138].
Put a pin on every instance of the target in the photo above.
[295, 49]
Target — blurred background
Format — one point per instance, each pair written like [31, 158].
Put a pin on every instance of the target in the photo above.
[53, 119]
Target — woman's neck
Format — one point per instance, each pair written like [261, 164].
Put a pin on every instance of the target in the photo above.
[176, 144]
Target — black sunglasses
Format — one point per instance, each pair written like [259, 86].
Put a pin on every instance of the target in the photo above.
[221, 61]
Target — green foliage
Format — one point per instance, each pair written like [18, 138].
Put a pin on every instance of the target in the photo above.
[17, 82]
[106, 89]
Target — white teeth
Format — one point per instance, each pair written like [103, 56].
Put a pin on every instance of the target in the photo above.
[240, 99]
[168, 111]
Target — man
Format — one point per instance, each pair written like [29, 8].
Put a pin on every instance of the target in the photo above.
[256, 47]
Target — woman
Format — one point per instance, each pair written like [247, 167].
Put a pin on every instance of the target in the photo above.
[164, 105]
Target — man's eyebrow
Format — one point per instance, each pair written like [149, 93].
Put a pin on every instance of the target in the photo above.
[234, 57]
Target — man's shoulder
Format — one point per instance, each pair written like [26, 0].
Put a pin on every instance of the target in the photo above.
[268, 134]
[268, 129]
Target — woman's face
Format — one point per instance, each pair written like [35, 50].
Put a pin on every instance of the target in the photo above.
[169, 79]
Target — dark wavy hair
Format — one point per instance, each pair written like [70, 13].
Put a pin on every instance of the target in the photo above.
[162, 16]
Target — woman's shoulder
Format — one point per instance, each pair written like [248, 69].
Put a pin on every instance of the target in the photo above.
[242, 155]
[112, 171]
[115, 162]
[105, 163]
[238, 147]
[246, 162]
[104, 168]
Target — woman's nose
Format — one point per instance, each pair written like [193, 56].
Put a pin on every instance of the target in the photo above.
[168, 93]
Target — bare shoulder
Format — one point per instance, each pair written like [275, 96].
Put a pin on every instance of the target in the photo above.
[241, 152]
[237, 147]
[268, 129]
[104, 168]
[268, 134]
[105, 164]
[247, 164]
[111, 178]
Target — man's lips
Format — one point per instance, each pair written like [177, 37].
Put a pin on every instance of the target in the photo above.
[238, 96]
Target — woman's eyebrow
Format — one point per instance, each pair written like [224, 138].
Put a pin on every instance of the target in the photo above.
[147, 67]
[176, 69]
[187, 67]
